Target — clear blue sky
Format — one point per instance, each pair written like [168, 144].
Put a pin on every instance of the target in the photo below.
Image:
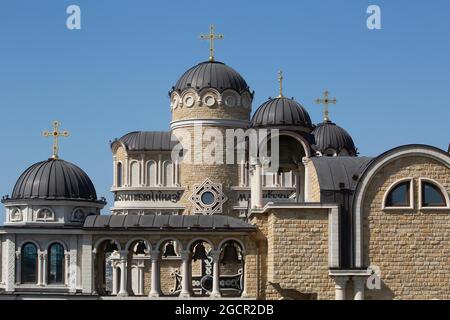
[112, 77]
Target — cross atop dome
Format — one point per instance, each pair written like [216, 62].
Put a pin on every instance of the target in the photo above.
[211, 37]
[280, 80]
[56, 134]
[326, 100]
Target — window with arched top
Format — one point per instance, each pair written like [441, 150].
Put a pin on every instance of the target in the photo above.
[56, 264]
[151, 174]
[119, 174]
[432, 195]
[16, 215]
[134, 174]
[45, 215]
[168, 173]
[399, 195]
[78, 215]
[29, 263]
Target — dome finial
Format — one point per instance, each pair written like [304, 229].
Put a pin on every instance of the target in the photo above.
[280, 80]
[211, 37]
[326, 101]
[55, 134]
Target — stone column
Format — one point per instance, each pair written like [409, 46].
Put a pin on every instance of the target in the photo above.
[186, 282]
[9, 262]
[39, 269]
[66, 267]
[140, 278]
[142, 172]
[340, 287]
[87, 264]
[215, 293]
[245, 272]
[256, 186]
[306, 187]
[358, 287]
[44, 269]
[176, 167]
[123, 275]
[114, 171]
[155, 290]
[115, 285]
[242, 174]
[18, 267]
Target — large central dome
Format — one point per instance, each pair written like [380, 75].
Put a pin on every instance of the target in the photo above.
[54, 179]
[211, 74]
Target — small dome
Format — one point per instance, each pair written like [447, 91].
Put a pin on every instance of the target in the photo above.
[282, 111]
[211, 74]
[54, 179]
[333, 140]
[148, 141]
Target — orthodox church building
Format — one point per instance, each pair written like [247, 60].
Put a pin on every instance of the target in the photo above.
[327, 224]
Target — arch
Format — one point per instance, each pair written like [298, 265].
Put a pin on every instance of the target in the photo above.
[62, 243]
[151, 173]
[100, 241]
[190, 243]
[163, 240]
[374, 167]
[130, 242]
[392, 187]
[78, 214]
[119, 174]
[135, 173]
[293, 135]
[238, 241]
[439, 186]
[38, 246]
[168, 173]
[45, 218]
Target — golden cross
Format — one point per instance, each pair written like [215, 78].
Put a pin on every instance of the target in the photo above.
[326, 101]
[55, 134]
[280, 79]
[211, 37]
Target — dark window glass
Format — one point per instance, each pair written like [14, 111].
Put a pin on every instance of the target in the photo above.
[119, 174]
[432, 196]
[56, 263]
[399, 196]
[29, 263]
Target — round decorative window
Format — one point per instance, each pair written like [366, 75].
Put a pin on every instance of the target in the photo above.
[189, 101]
[210, 101]
[230, 101]
[208, 198]
[246, 101]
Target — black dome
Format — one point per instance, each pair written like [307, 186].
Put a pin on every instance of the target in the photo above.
[328, 135]
[211, 74]
[54, 179]
[281, 112]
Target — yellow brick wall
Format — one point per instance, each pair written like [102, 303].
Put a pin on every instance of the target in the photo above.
[313, 183]
[410, 246]
[193, 174]
[297, 254]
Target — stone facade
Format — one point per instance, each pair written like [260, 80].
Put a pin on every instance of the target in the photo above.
[411, 247]
[297, 255]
